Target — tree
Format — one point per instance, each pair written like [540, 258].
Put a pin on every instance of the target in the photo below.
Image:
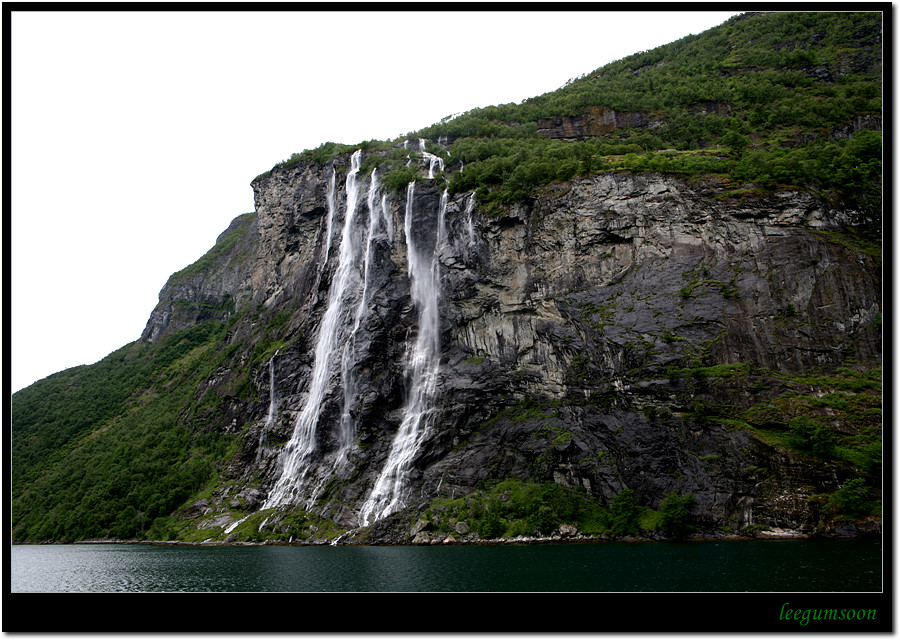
[623, 514]
[736, 142]
[676, 516]
[491, 525]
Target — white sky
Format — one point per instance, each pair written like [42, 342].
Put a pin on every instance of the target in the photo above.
[135, 135]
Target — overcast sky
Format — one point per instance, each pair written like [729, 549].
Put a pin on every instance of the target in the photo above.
[135, 135]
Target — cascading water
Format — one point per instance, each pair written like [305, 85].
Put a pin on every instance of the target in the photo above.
[270, 420]
[433, 160]
[337, 339]
[347, 432]
[297, 452]
[422, 369]
[470, 221]
[385, 216]
[348, 359]
[270, 417]
[329, 202]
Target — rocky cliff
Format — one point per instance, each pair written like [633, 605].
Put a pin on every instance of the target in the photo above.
[647, 303]
[615, 331]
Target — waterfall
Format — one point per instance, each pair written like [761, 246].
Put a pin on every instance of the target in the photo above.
[385, 215]
[470, 221]
[433, 160]
[270, 417]
[422, 368]
[336, 348]
[303, 441]
[270, 420]
[234, 525]
[348, 359]
[329, 201]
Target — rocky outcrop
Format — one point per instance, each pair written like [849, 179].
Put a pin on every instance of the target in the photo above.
[562, 321]
[211, 288]
[596, 121]
[580, 301]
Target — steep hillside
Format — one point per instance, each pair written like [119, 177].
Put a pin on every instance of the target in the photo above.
[647, 303]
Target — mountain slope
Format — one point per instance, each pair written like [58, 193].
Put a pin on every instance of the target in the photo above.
[649, 301]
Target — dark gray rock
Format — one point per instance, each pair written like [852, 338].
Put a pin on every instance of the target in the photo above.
[560, 321]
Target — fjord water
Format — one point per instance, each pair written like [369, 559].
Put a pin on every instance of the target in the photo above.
[707, 566]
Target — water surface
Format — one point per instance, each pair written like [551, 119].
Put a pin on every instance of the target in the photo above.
[708, 566]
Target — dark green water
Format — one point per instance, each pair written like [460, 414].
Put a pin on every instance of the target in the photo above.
[721, 566]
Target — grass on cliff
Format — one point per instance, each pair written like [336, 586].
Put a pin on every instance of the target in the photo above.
[834, 416]
[224, 244]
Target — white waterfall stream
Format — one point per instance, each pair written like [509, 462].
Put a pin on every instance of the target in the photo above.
[270, 417]
[385, 215]
[433, 160]
[348, 356]
[422, 368]
[329, 203]
[470, 222]
[336, 346]
[295, 457]
[270, 420]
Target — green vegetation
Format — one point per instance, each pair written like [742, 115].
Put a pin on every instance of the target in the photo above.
[224, 243]
[806, 434]
[675, 511]
[107, 450]
[52, 415]
[746, 100]
[115, 449]
[269, 525]
[852, 499]
[624, 514]
[511, 508]
[760, 102]
[833, 415]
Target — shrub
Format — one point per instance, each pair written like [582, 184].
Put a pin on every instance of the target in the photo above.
[809, 435]
[544, 519]
[850, 499]
[399, 178]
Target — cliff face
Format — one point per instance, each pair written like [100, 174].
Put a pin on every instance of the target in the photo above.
[655, 287]
[615, 332]
[600, 120]
[209, 289]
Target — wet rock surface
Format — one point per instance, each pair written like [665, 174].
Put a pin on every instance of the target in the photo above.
[561, 323]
